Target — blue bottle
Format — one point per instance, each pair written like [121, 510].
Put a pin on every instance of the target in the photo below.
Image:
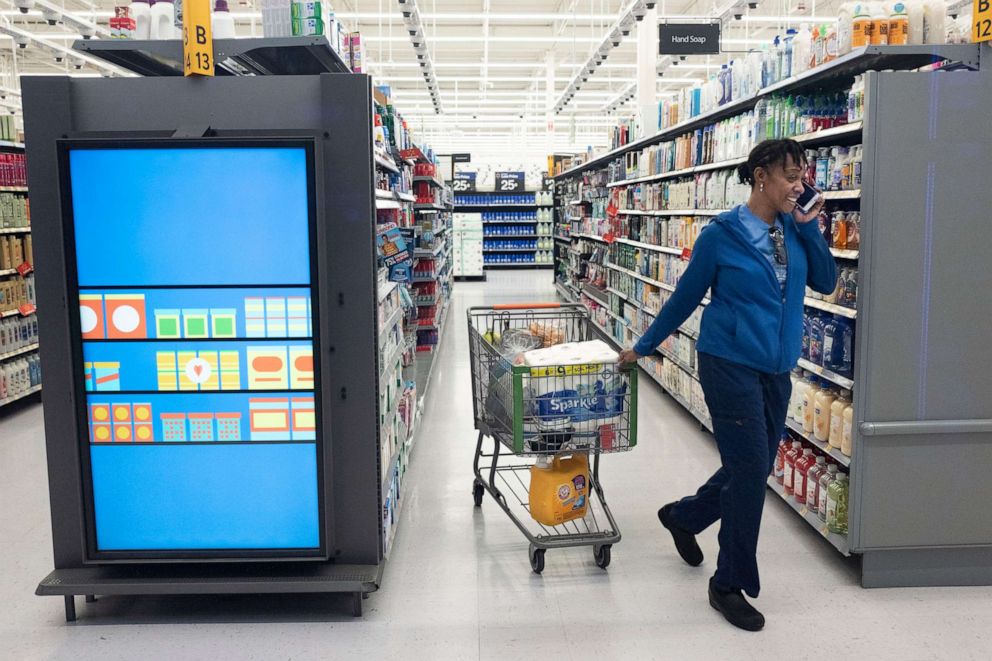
[816, 340]
[845, 366]
[806, 329]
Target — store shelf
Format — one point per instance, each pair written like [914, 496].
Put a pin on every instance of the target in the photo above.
[27, 393]
[591, 237]
[387, 290]
[831, 134]
[8, 272]
[7, 144]
[838, 541]
[833, 377]
[15, 230]
[597, 293]
[428, 207]
[825, 448]
[833, 308]
[12, 313]
[286, 56]
[484, 249]
[434, 181]
[386, 163]
[837, 73]
[513, 236]
[644, 278]
[841, 195]
[654, 313]
[651, 246]
[565, 240]
[499, 205]
[13, 189]
[672, 212]
[391, 321]
[530, 265]
[19, 352]
[382, 204]
[387, 365]
[406, 197]
[528, 221]
[844, 254]
[577, 202]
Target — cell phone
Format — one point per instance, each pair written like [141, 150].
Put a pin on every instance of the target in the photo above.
[808, 199]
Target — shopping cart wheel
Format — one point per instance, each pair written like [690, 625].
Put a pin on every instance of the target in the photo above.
[477, 492]
[536, 559]
[602, 554]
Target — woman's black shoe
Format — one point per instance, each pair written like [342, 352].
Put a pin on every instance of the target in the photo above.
[735, 608]
[685, 542]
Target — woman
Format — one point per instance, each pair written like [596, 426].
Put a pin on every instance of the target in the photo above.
[756, 261]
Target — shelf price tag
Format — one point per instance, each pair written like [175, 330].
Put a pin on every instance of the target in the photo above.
[686, 254]
[27, 309]
[981, 27]
[198, 41]
[24, 269]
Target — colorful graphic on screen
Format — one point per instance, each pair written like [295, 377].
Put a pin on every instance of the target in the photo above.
[197, 330]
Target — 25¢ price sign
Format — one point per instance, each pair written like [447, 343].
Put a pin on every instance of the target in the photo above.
[198, 41]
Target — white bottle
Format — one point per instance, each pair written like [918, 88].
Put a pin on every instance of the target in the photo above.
[737, 79]
[141, 12]
[934, 22]
[802, 47]
[221, 21]
[845, 25]
[163, 18]
[914, 8]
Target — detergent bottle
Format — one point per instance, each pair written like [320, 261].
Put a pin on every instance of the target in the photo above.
[559, 489]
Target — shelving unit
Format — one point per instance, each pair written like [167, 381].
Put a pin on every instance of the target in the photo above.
[494, 204]
[22, 234]
[900, 358]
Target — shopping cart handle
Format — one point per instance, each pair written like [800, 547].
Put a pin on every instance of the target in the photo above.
[526, 306]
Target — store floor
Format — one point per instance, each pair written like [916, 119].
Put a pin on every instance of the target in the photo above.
[459, 586]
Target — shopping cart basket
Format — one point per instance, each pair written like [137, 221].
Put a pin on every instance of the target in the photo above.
[548, 410]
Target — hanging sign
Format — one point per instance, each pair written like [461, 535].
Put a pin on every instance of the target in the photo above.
[509, 182]
[461, 158]
[198, 41]
[547, 182]
[689, 38]
[981, 26]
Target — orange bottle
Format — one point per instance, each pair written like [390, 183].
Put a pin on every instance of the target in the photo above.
[862, 26]
[879, 25]
[560, 492]
[899, 25]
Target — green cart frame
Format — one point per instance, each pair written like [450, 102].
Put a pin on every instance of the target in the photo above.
[527, 412]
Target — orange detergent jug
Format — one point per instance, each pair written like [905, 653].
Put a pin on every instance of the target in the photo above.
[559, 492]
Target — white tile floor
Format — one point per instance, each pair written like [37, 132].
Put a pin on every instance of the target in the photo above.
[459, 586]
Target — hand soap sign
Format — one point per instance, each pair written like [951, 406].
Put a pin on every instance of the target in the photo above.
[689, 38]
[198, 42]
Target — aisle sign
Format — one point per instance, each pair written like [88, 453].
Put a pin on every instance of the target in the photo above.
[461, 158]
[509, 182]
[464, 182]
[547, 182]
[981, 27]
[689, 38]
[198, 41]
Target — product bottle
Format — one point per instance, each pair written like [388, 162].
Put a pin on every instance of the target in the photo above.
[837, 505]
[934, 17]
[141, 12]
[830, 45]
[826, 479]
[788, 47]
[813, 476]
[816, 340]
[823, 400]
[880, 24]
[847, 439]
[802, 47]
[163, 17]
[799, 478]
[854, 218]
[845, 26]
[898, 24]
[914, 11]
[819, 47]
[221, 21]
[779, 470]
[837, 418]
[809, 406]
[790, 467]
[796, 408]
[862, 26]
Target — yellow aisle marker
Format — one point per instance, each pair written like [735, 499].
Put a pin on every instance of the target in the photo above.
[198, 41]
[981, 26]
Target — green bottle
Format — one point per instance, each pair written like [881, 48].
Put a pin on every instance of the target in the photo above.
[837, 494]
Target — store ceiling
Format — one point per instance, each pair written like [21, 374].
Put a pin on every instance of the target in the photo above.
[490, 57]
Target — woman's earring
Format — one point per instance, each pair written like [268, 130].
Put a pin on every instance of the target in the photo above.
[762, 188]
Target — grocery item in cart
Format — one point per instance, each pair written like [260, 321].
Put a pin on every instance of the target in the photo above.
[559, 489]
[593, 352]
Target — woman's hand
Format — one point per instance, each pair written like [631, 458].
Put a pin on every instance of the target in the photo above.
[628, 356]
[803, 218]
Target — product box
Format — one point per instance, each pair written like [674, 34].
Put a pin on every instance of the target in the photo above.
[308, 27]
[355, 51]
[306, 10]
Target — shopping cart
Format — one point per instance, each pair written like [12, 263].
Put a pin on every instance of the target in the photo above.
[548, 410]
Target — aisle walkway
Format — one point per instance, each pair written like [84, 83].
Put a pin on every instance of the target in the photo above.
[459, 585]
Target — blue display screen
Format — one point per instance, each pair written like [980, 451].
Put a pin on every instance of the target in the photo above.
[197, 334]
